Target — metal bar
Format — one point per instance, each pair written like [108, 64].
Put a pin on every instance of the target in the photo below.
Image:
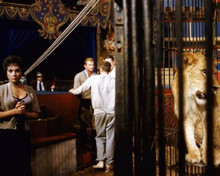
[135, 89]
[209, 60]
[173, 18]
[128, 102]
[148, 98]
[179, 37]
[160, 116]
[200, 22]
[98, 41]
[196, 25]
[193, 24]
[190, 25]
[123, 125]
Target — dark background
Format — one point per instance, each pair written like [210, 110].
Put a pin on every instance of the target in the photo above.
[21, 38]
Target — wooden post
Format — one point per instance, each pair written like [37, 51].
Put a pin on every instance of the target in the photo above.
[98, 38]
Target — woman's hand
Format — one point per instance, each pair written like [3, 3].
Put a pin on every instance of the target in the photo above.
[20, 108]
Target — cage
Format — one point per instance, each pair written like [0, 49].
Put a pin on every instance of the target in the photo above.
[150, 38]
[193, 37]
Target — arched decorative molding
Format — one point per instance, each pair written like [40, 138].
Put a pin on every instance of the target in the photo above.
[11, 12]
[23, 13]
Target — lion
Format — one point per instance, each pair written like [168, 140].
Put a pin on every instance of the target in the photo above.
[194, 99]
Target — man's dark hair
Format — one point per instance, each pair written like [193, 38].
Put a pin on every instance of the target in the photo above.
[105, 66]
[111, 57]
[12, 60]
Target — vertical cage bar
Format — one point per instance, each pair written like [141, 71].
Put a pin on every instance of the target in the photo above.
[200, 22]
[193, 24]
[159, 62]
[135, 89]
[148, 98]
[123, 120]
[196, 25]
[203, 26]
[209, 60]
[179, 38]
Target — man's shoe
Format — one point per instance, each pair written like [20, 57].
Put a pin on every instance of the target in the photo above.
[108, 167]
[99, 165]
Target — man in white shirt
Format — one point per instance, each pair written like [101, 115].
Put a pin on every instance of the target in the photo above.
[111, 60]
[103, 102]
[40, 83]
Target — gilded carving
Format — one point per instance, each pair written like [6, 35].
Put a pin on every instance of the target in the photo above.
[73, 16]
[23, 13]
[109, 44]
[50, 15]
[2, 10]
[101, 12]
[85, 21]
[93, 20]
[95, 10]
[104, 7]
[11, 12]
[105, 12]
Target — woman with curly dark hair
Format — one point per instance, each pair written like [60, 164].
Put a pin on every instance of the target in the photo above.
[18, 103]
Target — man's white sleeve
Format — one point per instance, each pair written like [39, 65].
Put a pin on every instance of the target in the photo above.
[84, 87]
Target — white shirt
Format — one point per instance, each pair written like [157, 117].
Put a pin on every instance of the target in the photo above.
[102, 92]
[42, 86]
[112, 73]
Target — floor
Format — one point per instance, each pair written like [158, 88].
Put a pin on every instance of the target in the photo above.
[89, 171]
[86, 157]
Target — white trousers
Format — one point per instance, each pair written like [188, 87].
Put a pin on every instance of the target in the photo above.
[105, 137]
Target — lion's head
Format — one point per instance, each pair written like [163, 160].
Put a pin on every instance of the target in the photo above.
[194, 76]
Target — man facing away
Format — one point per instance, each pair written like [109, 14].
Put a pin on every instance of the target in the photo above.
[111, 60]
[84, 114]
[103, 102]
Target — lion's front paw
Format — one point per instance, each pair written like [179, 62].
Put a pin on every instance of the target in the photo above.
[194, 156]
[204, 159]
[216, 157]
[217, 162]
[204, 156]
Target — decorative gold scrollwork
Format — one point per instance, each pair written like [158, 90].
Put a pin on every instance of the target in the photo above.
[105, 12]
[2, 10]
[85, 21]
[11, 12]
[95, 10]
[50, 15]
[23, 13]
[104, 7]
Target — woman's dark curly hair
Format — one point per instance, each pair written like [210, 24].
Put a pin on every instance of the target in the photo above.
[12, 60]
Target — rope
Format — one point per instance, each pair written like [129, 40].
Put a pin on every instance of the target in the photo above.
[86, 10]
